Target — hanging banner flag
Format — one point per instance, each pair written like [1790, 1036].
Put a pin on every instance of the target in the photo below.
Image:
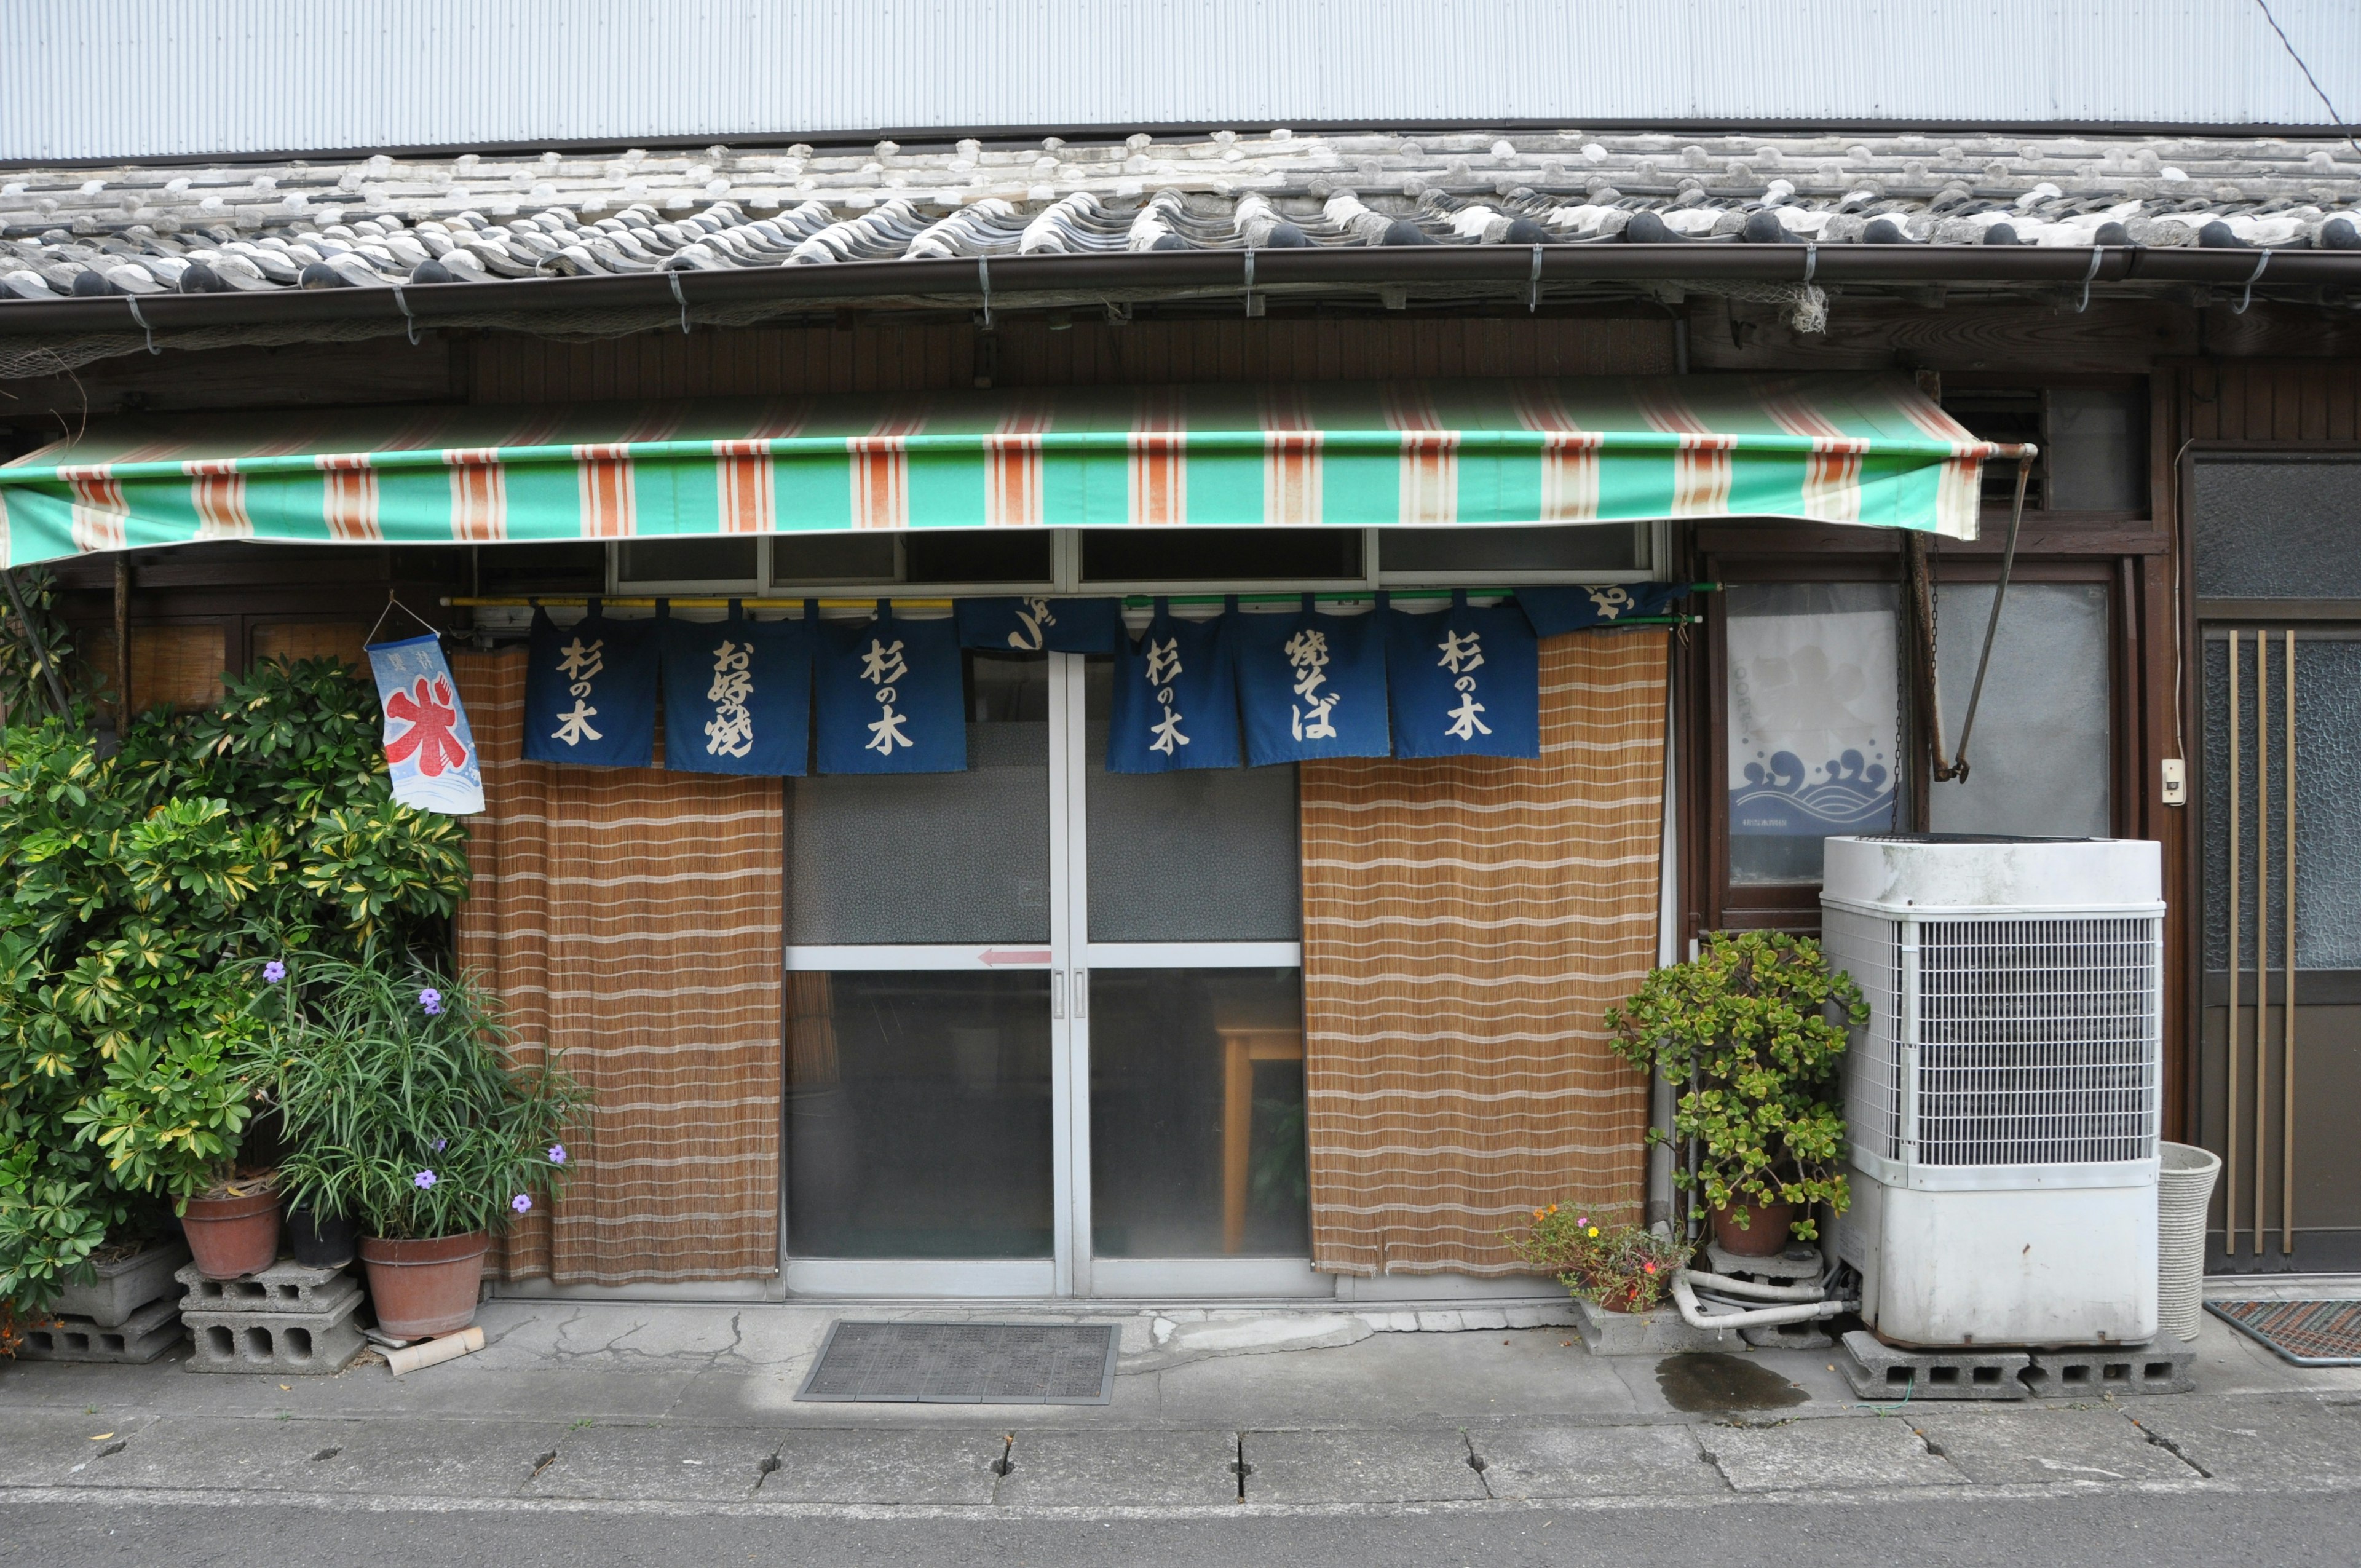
[738, 694]
[1311, 686]
[1175, 701]
[1557, 610]
[1038, 625]
[429, 753]
[1465, 683]
[890, 697]
[590, 692]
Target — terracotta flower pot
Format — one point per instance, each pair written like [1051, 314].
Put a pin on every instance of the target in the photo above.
[425, 1287]
[233, 1237]
[1765, 1236]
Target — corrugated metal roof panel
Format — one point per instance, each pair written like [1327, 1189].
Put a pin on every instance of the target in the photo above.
[147, 78]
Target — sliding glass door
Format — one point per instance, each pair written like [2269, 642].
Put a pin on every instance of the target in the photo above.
[1045, 1029]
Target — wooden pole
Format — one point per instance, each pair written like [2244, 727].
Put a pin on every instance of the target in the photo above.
[2287, 1000]
[2237, 934]
[121, 642]
[2262, 919]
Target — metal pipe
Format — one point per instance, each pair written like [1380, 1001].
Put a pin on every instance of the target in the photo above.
[2287, 999]
[954, 281]
[2238, 952]
[2262, 917]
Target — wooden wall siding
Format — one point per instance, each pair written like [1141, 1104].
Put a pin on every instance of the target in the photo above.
[2298, 402]
[764, 361]
[306, 375]
[294, 640]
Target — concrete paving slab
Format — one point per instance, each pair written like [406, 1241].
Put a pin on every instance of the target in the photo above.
[52, 1448]
[1398, 1378]
[1825, 1456]
[1121, 1469]
[1594, 1462]
[2271, 1441]
[1360, 1467]
[715, 1464]
[852, 1466]
[2021, 1444]
[407, 1458]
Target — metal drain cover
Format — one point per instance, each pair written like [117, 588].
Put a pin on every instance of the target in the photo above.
[965, 1364]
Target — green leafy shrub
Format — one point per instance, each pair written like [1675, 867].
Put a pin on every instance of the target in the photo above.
[1624, 1268]
[1761, 1021]
[150, 884]
[402, 1110]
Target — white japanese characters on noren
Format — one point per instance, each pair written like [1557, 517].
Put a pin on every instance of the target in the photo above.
[1610, 601]
[1307, 652]
[1163, 669]
[1037, 617]
[580, 665]
[881, 666]
[730, 732]
[1463, 656]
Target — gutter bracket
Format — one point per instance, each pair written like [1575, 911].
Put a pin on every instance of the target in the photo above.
[409, 322]
[679, 295]
[983, 285]
[2097, 253]
[2252, 279]
[1811, 259]
[133, 301]
[1249, 283]
[1533, 285]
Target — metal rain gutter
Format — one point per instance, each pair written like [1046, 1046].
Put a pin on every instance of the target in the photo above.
[1522, 270]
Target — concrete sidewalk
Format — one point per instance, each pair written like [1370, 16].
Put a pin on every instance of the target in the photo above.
[668, 1408]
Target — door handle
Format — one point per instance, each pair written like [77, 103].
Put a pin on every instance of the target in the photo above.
[1081, 992]
[1057, 994]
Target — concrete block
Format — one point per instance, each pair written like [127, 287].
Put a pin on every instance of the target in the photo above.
[1441, 1322]
[1360, 1467]
[1658, 1332]
[147, 1334]
[124, 1286]
[1594, 1462]
[274, 1343]
[1800, 1261]
[1485, 1318]
[1880, 1373]
[1141, 1469]
[824, 1464]
[2028, 1443]
[284, 1286]
[706, 1464]
[1787, 1336]
[2162, 1367]
[1823, 1455]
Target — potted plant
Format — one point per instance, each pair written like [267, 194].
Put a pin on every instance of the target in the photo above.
[1620, 1268]
[1751, 1035]
[400, 1110]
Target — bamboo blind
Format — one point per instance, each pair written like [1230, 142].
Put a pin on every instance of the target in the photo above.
[291, 641]
[1467, 922]
[633, 918]
[179, 666]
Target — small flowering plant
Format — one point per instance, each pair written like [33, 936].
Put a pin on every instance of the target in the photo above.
[1624, 1268]
[401, 1106]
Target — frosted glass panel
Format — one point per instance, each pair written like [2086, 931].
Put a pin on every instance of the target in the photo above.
[934, 857]
[1204, 856]
[1812, 716]
[2327, 807]
[2276, 529]
[2039, 757]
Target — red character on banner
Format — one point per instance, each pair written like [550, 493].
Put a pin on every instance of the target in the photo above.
[433, 718]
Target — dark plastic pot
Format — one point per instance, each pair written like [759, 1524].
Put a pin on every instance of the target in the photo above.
[427, 1287]
[319, 1241]
[233, 1237]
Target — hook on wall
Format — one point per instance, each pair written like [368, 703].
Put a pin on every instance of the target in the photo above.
[409, 322]
[2252, 279]
[133, 302]
[680, 296]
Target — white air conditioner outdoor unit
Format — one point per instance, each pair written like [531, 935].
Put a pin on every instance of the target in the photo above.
[2003, 1102]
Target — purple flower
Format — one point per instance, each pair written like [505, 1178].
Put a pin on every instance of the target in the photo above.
[273, 973]
[557, 1154]
[521, 1203]
[430, 1002]
[438, 1144]
[422, 1180]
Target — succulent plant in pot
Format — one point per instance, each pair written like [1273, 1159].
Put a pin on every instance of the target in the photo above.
[1751, 1035]
[402, 1111]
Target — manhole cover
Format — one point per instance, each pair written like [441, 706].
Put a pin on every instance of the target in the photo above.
[965, 1364]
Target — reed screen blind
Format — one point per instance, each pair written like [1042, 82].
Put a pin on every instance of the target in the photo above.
[1466, 923]
[634, 920]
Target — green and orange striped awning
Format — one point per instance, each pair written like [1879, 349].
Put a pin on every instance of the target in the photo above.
[1850, 449]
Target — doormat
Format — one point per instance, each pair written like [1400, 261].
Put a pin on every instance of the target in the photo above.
[965, 1364]
[2309, 1333]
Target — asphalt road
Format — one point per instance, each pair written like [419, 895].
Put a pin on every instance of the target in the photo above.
[2099, 1530]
